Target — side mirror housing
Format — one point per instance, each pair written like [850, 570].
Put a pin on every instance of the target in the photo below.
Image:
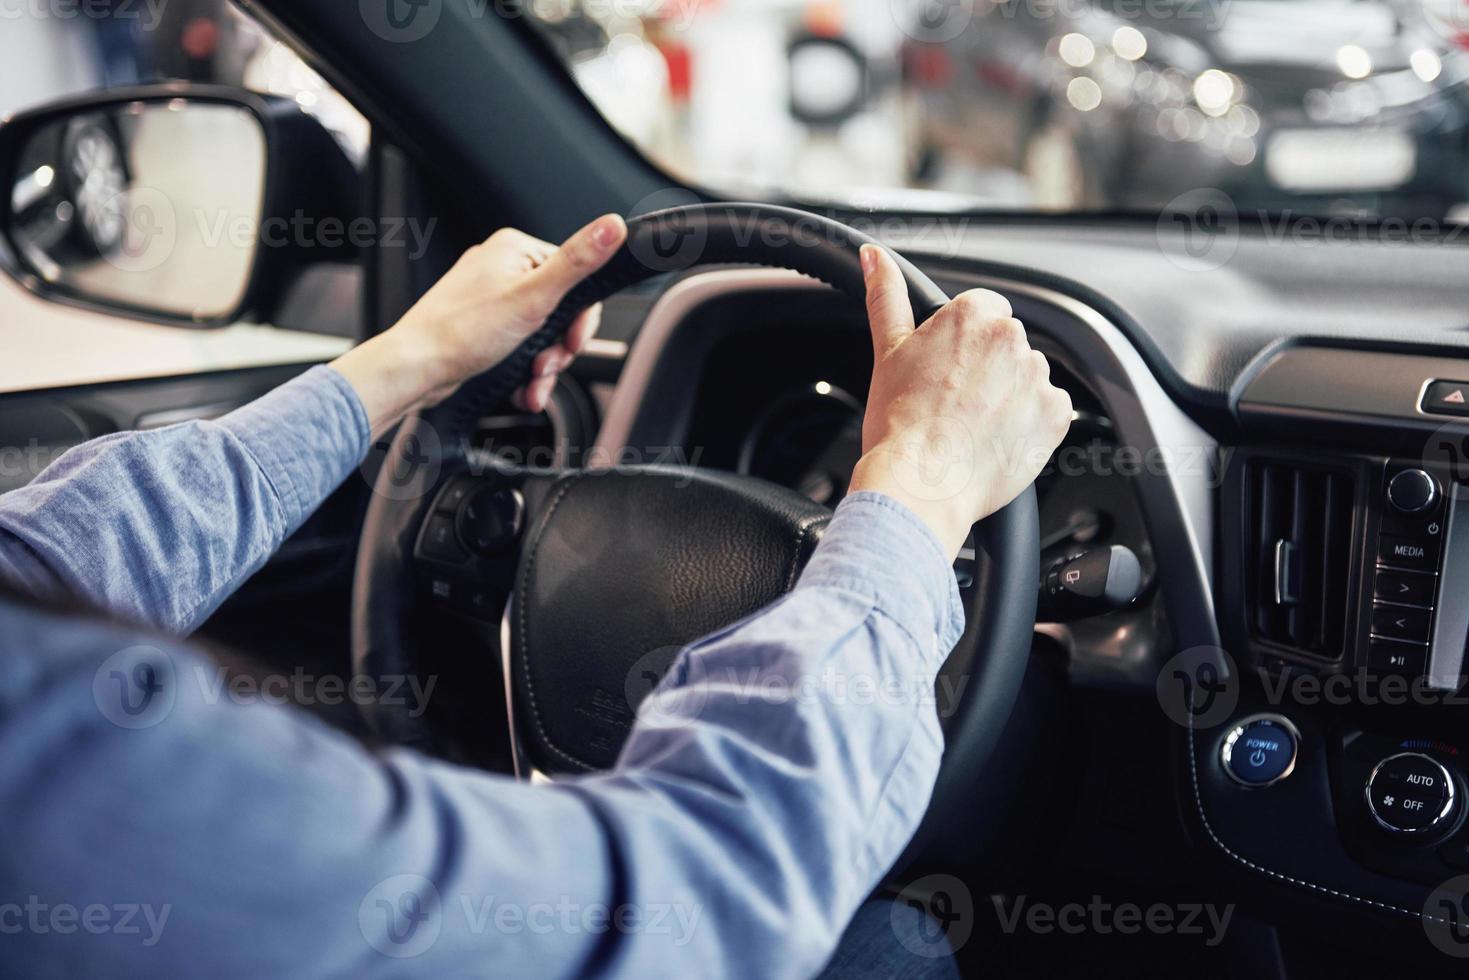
[176, 203]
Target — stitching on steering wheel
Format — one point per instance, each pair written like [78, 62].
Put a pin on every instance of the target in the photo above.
[524, 607]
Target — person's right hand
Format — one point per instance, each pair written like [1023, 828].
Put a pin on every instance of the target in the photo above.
[962, 415]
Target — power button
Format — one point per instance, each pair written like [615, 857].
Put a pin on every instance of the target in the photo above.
[1260, 750]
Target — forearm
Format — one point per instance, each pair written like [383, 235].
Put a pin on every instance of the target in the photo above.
[160, 526]
[735, 838]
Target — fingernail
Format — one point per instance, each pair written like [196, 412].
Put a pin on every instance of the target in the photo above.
[603, 230]
[868, 255]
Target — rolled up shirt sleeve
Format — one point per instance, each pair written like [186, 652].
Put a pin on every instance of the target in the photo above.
[768, 785]
[159, 527]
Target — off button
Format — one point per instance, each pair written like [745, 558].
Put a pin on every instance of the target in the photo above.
[1260, 750]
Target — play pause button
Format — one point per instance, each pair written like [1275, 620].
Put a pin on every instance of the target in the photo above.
[1446, 398]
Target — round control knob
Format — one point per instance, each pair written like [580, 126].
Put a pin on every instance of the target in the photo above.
[1410, 794]
[491, 519]
[1412, 491]
[1260, 750]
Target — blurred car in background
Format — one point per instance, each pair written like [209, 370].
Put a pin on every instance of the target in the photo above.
[1332, 106]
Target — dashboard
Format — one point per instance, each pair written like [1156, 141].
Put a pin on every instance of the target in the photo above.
[1302, 550]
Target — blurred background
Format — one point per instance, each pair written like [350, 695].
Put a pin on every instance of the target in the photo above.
[1331, 106]
[1355, 108]
[1351, 107]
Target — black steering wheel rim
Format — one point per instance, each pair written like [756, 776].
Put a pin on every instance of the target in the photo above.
[984, 673]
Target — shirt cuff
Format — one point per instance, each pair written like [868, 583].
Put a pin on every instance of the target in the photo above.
[307, 435]
[876, 546]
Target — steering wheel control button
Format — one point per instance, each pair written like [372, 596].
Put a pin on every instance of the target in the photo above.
[491, 519]
[439, 541]
[1414, 554]
[453, 495]
[1400, 622]
[1446, 398]
[1405, 588]
[1410, 794]
[1412, 491]
[1260, 750]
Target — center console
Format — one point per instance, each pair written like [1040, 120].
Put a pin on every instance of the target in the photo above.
[1337, 767]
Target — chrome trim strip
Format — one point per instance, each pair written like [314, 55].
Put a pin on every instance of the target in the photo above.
[676, 303]
[1451, 617]
[523, 769]
[517, 757]
[1170, 425]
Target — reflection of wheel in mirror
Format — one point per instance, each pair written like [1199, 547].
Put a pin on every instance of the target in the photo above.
[809, 440]
[95, 180]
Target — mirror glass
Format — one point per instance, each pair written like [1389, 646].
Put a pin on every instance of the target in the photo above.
[155, 205]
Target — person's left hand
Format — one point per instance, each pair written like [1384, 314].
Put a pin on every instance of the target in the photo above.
[496, 295]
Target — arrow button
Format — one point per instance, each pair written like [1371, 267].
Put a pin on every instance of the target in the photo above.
[1408, 588]
[1398, 623]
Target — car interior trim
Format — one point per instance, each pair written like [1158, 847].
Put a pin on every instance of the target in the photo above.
[1451, 624]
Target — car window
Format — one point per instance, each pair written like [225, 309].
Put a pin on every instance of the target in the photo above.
[52, 51]
[1353, 107]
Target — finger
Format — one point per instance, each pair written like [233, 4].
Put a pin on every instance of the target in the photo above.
[538, 393]
[583, 329]
[888, 309]
[552, 360]
[578, 257]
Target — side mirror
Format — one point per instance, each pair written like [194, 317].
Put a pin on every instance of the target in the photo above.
[151, 202]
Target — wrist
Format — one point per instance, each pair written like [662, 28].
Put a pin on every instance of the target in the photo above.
[391, 374]
[946, 517]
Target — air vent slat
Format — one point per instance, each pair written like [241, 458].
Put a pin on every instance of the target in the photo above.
[1300, 529]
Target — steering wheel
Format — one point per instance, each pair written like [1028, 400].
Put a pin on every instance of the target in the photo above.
[608, 573]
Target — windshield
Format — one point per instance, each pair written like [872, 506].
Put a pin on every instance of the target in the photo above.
[1354, 107]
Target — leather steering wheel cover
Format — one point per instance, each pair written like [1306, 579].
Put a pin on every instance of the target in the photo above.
[1002, 614]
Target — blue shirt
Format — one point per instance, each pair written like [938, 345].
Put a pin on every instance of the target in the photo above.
[156, 825]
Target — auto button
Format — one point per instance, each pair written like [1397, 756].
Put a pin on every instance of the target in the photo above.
[1410, 794]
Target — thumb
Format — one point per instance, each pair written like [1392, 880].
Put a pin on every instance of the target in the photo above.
[888, 309]
[579, 256]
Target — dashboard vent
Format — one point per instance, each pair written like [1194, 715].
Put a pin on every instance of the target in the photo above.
[1299, 521]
